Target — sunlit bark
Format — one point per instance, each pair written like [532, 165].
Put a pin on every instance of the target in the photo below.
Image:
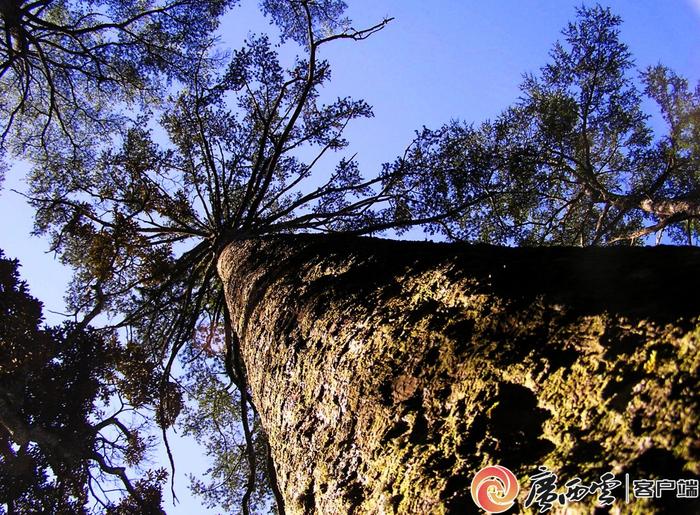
[387, 373]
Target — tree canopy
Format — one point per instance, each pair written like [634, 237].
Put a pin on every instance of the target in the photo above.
[575, 161]
[70, 69]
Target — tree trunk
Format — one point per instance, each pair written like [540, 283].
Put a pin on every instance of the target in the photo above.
[387, 373]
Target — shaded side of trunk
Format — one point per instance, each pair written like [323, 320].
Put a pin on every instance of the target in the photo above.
[387, 373]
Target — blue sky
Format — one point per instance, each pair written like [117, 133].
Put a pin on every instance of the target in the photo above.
[437, 60]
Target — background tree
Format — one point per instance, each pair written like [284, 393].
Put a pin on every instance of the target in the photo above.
[212, 417]
[575, 160]
[62, 442]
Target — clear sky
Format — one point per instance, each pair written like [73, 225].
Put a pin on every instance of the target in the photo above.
[438, 60]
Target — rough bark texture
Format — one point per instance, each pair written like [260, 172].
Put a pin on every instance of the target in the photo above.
[387, 373]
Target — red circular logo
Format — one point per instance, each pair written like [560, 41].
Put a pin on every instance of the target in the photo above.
[494, 489]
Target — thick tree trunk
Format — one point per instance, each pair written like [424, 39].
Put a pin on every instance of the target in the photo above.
[387, 373]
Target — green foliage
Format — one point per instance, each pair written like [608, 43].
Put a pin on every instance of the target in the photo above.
[117, 221]
[327, 17]
[575, 160]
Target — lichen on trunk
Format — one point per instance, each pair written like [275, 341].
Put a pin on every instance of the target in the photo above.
[387, 373]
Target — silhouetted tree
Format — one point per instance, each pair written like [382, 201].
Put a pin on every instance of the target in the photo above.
[62, 441]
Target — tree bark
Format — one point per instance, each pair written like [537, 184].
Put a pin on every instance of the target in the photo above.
[387, 373]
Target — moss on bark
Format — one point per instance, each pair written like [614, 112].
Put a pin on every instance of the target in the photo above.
[387, 373]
